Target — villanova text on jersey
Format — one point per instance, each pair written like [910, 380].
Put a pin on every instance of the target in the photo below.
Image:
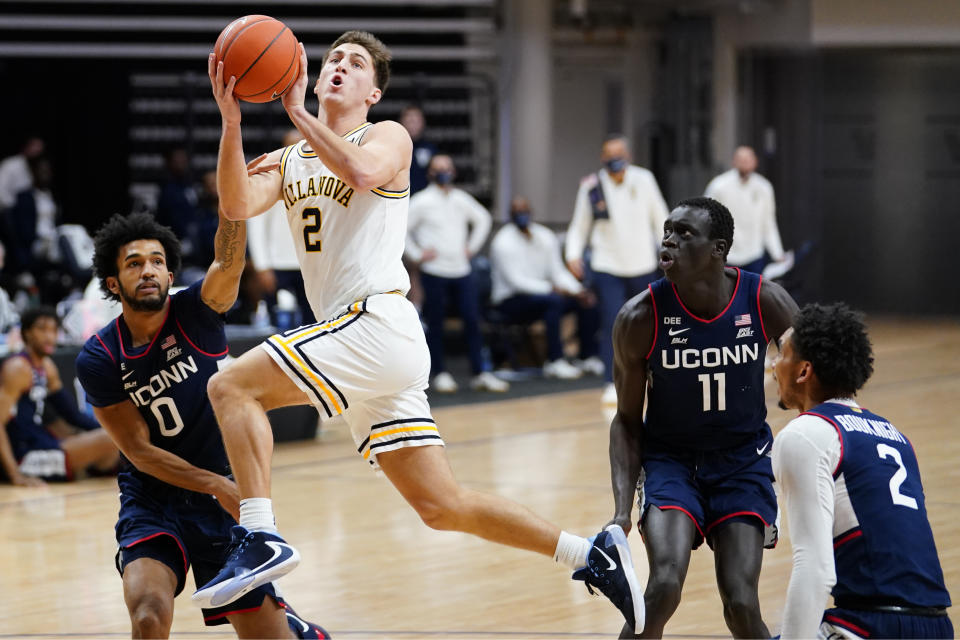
[706, 375]
[166, 379]
[883, 545]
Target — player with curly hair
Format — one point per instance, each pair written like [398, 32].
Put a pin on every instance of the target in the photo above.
[692, 345]
[851, 488]
[145, 374]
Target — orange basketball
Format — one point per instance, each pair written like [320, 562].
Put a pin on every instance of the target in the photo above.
[262, 53]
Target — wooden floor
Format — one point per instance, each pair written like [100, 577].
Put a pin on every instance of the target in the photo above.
[371, 570]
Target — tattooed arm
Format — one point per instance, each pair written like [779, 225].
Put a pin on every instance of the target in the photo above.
[222, 283]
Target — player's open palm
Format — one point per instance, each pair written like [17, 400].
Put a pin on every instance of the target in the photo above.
[297, 92]
[223, 91]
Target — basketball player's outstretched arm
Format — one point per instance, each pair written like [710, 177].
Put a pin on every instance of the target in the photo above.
[632, 338]
[222, 282]
[242, 194]
[381, 160]
[130, 433]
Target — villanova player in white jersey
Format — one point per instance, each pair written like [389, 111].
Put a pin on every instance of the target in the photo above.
[851, 488]
[346, 190]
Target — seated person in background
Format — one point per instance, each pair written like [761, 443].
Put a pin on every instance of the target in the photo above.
[29, 453]
[531, 283]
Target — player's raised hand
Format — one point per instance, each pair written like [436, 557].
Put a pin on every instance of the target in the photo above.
[223, 92]
[296, 94]
[254, 166]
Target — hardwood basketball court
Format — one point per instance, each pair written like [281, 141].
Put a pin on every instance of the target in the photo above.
[371, 569]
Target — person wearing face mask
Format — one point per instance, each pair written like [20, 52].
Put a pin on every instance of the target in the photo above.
[446, 227]
[530, 283]
[618, 214]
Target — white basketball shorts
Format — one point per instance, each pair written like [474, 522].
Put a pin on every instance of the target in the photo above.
[369, 363]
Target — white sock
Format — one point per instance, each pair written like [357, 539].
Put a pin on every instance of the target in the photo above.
[256, 514]
[572, 550]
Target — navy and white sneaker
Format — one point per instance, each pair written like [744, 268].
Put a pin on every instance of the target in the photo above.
[609, 568]
[303, 628]
[257, 558]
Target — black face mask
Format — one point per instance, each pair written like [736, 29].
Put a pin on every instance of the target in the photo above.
[443, 177]
[521, 219]
[616, 165]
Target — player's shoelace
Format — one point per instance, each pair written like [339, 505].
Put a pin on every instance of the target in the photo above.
[239, 548]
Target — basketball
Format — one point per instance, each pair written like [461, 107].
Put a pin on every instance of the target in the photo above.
[262, 53]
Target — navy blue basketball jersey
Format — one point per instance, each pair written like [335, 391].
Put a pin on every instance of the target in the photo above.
[25, 429]
[705, 376]
[883, 544]
[166, 379]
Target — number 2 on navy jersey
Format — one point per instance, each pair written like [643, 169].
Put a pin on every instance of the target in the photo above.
[886, 451]
[316, 220]
[721, 379]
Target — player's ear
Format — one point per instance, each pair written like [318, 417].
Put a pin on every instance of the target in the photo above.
[170, 273]
[720, 249]
[374, 96]
[806, 373]
[113, 285]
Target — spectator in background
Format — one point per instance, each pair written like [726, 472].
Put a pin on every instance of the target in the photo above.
[530, 283]
[274, 259]
[30, 236]
[618, 215]
[749, 197]
[206, 221]
[447, 227]
[412, 119]
[29, 453]
[178, 201]
[15, 175]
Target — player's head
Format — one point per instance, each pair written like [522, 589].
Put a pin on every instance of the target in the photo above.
[825, 354]
[745, 160]
[441, 169]
[135, 258]
[38, 326]
[615, 153]
[356, 68]
[697, 236]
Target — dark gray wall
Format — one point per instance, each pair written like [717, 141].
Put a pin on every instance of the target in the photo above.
[866, 163]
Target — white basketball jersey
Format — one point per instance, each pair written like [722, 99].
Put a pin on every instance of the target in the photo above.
[349, 243]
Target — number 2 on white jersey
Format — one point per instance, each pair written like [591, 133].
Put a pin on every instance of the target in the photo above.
[316, 221]
[886, 451]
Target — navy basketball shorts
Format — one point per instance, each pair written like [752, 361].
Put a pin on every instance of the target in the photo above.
[181, 528]
[849, 623]
[713, 488]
